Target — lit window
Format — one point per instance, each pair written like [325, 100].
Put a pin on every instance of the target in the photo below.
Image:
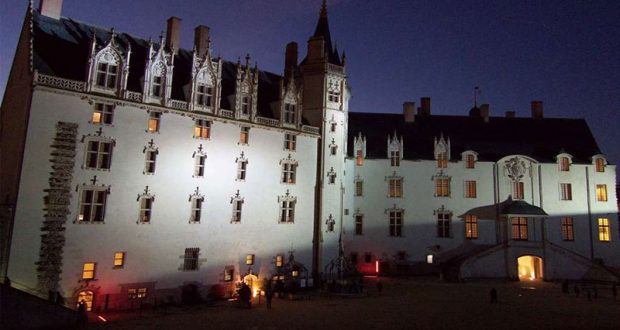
[196, 208]
[103, 114]
[470, 161]
[604, 232]
[395, 187]
[98, 154]
[568, 233]
[237, 206]
[289, 113]
[360, 158]
[564, 163]
[279, 260]
[442, 187]
[245, 105]
[157, 86]
[287, 211]
[601, 192]
[244, 135]
[119, 259]
[149, 161]
[396, 223]
[190, 260]
[359, 188]
[395, 158]
[249, 259]
[136, 293]
[92, 204]
[229, 272]
[88, 271]
[566, 192]
[600, 165]
[202, 129]
[519, 228]
[470, 189]
[199, 165]
[290, 142]
[442, 160]
[204, 95]
[146, 207]
[289, 170]
[517, 190]
[429, 258]
[444, 224]
[106, 75]
[242, 167]
[154, 119]
[87, 298]
[471, 226]
[359, 224]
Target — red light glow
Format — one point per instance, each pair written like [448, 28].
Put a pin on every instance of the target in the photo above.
[102, 318]
[377, 266]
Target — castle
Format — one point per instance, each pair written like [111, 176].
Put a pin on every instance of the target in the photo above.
[135, 169]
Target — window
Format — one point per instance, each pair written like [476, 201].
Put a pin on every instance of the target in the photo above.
[92, 204]
[359, 224]
[470, 161]
[196, 208]
[157, 86]
[146, 207]
[190, 260]
[103, 114]
[566, 192]
[204, 95]
[287, 211]
[333, 95]
[154, 118]
[442, 187]
[149, 161]
[600, 165]
[249, 259]
[199, 165]
[395, 187]
[359, 188]
[601, 192]
[229, 272]
[332, 127]
[98, 154]
[367, 257]
[136, 293]
[333, 149]
[353, 258]
[519, 228]
[202, 129]
[395, 158]
[237, 205]
[289, 113]
[444, 224]
[470, 189]
[106, 75]
[242, 167]
[88, 271]
[290, 142]
[331, 176]
[279, 260]
[119, 259]
[244, 136]
[604, 232]
[360, 158]
[245, 105]
[288, 172]
[517, 190]
[442, 159]
[396, 223]
[471, 226]
[564, 164]
[568, 234]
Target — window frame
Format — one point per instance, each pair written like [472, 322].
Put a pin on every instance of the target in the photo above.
[444, 224]
[359, 224]
[601, 193]
[287, 210]
[289, 172]
[395, 158]
[566, 192]
[442, 186]
[604, 229]
[98, 158]
[395, 223]
[290, 113]
[88, 273]
[146, 209]
[150, 161]
[359, 188]
[518, 190]
[244, 135]
[519, 228]
[472, 230]
[395, 187]
[119, 259]
[103, 73]
[202, 129]
[204, 95]
[471, 189]
[91, 204]
[154, 122]
[200, 160]
[290, 142]
[568, 228]
[103, 114]
[191, 259]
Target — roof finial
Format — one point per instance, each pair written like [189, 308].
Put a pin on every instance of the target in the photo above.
[324, 9]
[476, 92]
[247, 60]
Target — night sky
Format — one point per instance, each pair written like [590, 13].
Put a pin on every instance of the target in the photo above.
[565, 53]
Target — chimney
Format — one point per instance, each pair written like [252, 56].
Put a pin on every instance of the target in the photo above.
[173, 34]
[510, 114]
[484, 112]
[51, 8]
[409, 111]
[425, 106]
[537, 109]
[201, 39]
[290, 59]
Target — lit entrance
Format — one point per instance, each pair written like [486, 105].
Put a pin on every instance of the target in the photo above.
[252, 281]
[530, 268]
[87, 298]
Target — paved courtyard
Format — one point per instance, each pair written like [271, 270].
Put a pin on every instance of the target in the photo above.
[404, 303]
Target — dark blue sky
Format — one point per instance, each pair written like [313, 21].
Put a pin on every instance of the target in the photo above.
[565, 53]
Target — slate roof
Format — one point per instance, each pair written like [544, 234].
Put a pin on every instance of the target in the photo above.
[74, 39]
[542, 139]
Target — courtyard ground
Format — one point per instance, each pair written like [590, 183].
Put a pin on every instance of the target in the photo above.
[404, 303]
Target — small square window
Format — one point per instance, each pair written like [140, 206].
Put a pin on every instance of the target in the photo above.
[290, 142]
[279, 260]
[249, 259]
[601, 192]
[202, 129]
[229, 273]
[190, 260]
[119, 259]
[154, 121]
[470, 189]
[566, 192]
[244, 136]
[103, 114]
[88, 271]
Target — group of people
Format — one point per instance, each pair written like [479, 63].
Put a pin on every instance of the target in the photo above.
[589, 294]
[245, 295]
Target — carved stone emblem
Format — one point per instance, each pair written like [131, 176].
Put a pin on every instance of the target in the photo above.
[515, 168]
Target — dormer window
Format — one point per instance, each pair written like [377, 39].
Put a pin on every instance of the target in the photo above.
[395, 158]
[106, 75]
[564, 164]
[289, 113]
[157, 86]
[245, 105]
[442, 151]
[204, 95]
[442, 160]
[600, 164]
[470, 161]
[360, 158]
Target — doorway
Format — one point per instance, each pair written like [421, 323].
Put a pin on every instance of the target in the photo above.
[530, 268]
[87, 298]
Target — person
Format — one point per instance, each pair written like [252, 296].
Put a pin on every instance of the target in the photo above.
[81, 313]
[245, 294]
[493, 294]
[379, 286]
[269, 296]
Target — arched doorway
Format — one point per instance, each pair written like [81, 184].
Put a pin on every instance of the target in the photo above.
[530, 268]
[252, 281]
[87, 298]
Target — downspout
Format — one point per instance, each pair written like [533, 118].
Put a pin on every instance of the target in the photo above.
[589, 214]
[543, 225]
[316, 236]
[340, 241]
